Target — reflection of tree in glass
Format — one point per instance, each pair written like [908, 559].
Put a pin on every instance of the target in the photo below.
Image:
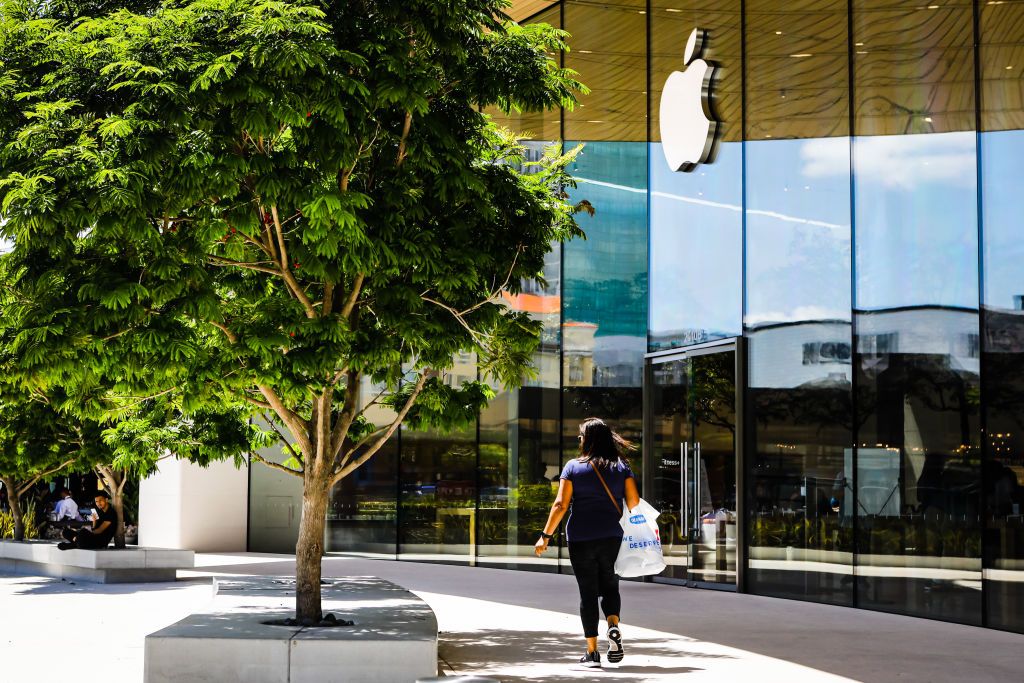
[713, 392]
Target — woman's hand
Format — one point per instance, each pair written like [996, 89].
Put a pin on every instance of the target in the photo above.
[540, 546]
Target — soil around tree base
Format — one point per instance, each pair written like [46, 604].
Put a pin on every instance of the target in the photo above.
[328, 621]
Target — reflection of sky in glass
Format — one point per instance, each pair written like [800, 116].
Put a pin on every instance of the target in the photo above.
[916, 213]
[1002, 159]
[696, 254]
[798, 231]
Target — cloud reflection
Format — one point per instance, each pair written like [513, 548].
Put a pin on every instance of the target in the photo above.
[895, 161]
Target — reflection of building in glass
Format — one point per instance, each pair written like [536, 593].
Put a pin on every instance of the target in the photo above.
[858, 233]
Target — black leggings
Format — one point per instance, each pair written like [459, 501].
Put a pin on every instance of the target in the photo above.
[85, 539]
[593, 562]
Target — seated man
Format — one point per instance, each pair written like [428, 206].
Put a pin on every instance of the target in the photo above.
[104, 524]
[66, 511]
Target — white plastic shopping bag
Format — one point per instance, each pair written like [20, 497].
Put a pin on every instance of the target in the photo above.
[640, 553]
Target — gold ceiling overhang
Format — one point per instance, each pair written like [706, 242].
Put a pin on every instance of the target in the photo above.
[913, 66]
[524, 9]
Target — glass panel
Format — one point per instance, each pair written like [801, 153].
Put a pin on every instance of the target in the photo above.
[670, 440]
[520, 459]
[438, 475]
[713, 406]
[798, 300]
[1002, 166]
[917, 349]
[604, 313]
[696, 218]
[275, 505]
[362, 516]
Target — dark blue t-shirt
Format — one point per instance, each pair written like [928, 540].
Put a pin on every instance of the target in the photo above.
[592, 515]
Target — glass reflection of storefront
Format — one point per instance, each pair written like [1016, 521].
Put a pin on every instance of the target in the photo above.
[851, 255]
[797, 317]
[1001, 152]
[917, 479]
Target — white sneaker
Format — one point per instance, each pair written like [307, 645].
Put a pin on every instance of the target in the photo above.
[615, 651]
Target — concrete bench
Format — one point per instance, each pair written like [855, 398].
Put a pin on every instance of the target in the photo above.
[129, 565]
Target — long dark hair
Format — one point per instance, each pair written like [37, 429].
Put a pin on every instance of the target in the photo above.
[601, 445]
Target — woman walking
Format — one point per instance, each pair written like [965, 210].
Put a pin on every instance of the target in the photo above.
[591, 488]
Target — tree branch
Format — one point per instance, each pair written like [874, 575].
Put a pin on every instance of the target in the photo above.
[279, 230]
[475, 334]
[259, 245]
[347, 465]
[406, 127]
[295, 424]
[286, 271]
[113, 482]
[275, 466]
[32, 482]
[347, 416]
[323, 459]
[373, 402]
[353, 296]
[493, 296]
[225, 262]
[268, 235]
[363, 441]
[256, 402]
[328, 299]
[281, 436]
[232, 337]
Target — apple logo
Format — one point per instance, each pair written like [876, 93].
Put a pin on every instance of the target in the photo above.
[687, 124]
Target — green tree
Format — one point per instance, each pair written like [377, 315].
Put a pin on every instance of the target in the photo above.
[36, 443]
[276, 201]
[134, 445]
[85, 422]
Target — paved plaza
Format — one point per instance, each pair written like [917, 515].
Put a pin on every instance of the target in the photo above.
[517, 627]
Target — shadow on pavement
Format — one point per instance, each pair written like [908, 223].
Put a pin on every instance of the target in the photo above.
[54, 586]
[482, 652]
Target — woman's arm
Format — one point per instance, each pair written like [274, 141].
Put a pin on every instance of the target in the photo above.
[632, 495]
[558, 508]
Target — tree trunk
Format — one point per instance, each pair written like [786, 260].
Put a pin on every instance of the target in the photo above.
[119, 509]
[114, 481]
[310, 549]
[14, 500]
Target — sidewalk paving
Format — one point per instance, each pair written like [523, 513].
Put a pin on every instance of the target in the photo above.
[519, 626]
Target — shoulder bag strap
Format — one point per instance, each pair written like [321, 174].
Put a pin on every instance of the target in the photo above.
[606, 489]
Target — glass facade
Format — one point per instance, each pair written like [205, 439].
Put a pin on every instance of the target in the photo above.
[818, 334]
[797, 317]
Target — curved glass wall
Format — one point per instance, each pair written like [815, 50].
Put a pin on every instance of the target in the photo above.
[858, 221]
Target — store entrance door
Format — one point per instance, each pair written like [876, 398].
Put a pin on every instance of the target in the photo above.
[692, 462]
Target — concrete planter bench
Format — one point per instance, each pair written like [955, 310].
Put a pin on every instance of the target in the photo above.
[128, 565]
[393, 639]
